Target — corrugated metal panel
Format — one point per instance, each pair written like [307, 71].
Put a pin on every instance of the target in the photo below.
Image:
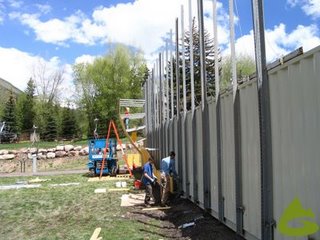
[250, 156]
[295, 116]
[199, 155]
[228, 162]
[213, 158]
[190, 149]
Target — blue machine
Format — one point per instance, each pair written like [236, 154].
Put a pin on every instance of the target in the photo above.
[96, 149]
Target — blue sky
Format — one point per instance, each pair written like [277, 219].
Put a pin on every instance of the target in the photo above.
[61, 33]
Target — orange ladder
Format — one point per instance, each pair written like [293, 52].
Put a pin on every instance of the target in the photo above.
[112, 124]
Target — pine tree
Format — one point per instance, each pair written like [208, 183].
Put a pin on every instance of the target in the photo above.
[69, 125]
[209, 62]
[50, 132]
[28, 113]
[10, 113]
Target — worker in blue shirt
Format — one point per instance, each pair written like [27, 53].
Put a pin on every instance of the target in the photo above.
[148, 179]
[167, 169]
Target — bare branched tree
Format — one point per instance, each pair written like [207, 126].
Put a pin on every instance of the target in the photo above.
[47, 81]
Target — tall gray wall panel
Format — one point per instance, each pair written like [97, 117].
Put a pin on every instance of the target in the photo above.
[170, 134]
[183, 154]
[250, 155]
[189, 155]
[228, 162]
[199, 156]
[176, 141]
[295, 116]
[213, 159]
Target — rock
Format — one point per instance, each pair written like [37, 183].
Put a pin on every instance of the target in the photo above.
[68, 148]
[60, 153]
[24, 150]
[60, 148]
[85, 150]
[73, 153]
[3, 152]
[42, 156]
[13, 152]
[77, 148]
[51, 150]
[51, 155]
[42, 150]
[33, 150]
[7, 156]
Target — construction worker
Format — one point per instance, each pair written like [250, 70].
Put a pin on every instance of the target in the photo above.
[148, 179]
[126, 117]
[167, 169]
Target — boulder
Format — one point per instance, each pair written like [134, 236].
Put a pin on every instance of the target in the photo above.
[42, 156]
[60, 153]
[51, 155]
[7, 156]
[73, 153]
[33, 150]
[68, 148]
[13, 152]
[60, 148]
[77, 148]
[42, 150]
[51, 150]
[85, 150]
[3, 152]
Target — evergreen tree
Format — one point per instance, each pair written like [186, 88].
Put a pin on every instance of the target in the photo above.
[69, 125]
[10, 113]
[209, 63]
[50, 132]
[27, 111]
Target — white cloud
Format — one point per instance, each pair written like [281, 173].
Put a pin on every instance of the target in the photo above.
[17, 67]
[2, 12]
[279, 42]
[44, 8]
[85, 59]
[144, 20]
[310, 7]
[15, 3]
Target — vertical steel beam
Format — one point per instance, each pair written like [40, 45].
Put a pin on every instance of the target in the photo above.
[192, 93]
[177, 70]
[171, 73]
[183, 119]
[167, 83]
[267, 221]
[160, 145]
[205, 112]
[203, 74]
[218, 113]
[191, 57]
[237, 127]
[183, 63]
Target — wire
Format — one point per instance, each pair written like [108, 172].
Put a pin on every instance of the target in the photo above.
[236, 7]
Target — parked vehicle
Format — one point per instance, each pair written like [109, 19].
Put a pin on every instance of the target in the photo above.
[6, 135]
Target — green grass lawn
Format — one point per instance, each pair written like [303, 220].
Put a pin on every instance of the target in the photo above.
[68, 212]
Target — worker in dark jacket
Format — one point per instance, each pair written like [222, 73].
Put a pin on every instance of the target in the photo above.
[148, 180]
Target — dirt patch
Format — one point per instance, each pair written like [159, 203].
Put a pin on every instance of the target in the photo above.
[182, 211]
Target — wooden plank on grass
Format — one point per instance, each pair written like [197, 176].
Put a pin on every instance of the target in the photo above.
[118, 189]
